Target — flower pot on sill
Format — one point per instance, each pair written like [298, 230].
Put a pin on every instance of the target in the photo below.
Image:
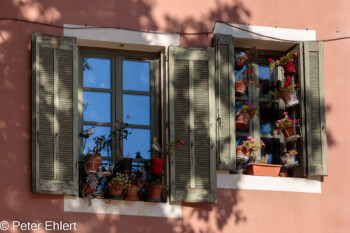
[240, 87]
[257, 169]
[290, 134]
[289, 68]
[283, 174]
[157, 166]
[290, 99]
[131, 192]
[242, 154]
[242, 121]
[115, 190]
[289, 161]
[154, 191]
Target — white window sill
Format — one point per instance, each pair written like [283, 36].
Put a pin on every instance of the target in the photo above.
[267, 183]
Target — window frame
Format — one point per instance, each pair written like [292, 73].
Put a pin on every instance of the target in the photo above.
[117, 57]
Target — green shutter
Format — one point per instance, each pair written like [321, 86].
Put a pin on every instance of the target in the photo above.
[54, 115]
[315, 109]
[225, 100]
[192, 118]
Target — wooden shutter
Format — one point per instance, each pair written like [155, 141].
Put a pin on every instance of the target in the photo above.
[192, 118]
[226, 153]
[315, 109]
[54, 115]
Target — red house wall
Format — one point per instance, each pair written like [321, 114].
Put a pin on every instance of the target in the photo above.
[236, 210]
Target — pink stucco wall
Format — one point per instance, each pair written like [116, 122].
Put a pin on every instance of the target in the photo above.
[236, 210]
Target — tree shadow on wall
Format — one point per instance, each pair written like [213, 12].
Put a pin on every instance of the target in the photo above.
[15, 122]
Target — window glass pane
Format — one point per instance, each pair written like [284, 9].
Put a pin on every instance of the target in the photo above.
[272, 148]
[268, 116]
[99, 131]
[97, 106]
[138, 141]
[97, 72]
[138, 108]
[239, 140]
[239, 106]
[239, 75]
[136, 75]
[268, 81]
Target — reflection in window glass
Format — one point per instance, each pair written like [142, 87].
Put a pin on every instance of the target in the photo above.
[268, 116]
[99, 131]
[97, 106]
[97, 72]
[138, 108]
[138, 141]
[136, 75]
[268, 81]
[239, 105]
[272, 148]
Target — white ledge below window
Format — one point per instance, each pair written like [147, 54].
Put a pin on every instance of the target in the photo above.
[267, 183]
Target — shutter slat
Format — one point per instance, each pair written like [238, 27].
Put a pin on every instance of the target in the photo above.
[54, 115]
[226, 158]
[315, 109]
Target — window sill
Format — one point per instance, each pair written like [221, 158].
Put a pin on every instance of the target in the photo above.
[135, 208]
[266, 183]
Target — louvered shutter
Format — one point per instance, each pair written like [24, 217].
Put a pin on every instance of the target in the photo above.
[54, 115]
[226, 153]
[192, 118]
[315, 109]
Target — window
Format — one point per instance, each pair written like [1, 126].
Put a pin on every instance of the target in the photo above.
[115, 84]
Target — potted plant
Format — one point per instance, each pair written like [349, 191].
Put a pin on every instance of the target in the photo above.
[132, 190]
[154, 190]
[289, 159]
[240, 59]
[117, 185]
[287, 92]
[89, 187]
[288, 127]
[124, 163]
[158, 161]
[242, 154]
[93, 158]
[287, 62]
[261, 168]
[248, 111]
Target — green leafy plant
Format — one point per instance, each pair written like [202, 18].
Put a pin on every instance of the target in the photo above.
[287, 86]
[121, 132]
[253, 144]
[258, 159]
[291, 153]
[121, 179]
[283, 60]
[249, 109]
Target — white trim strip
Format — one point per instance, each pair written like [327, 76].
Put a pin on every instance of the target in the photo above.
[135, 208]
[281, 33]
[266, 183]
[122, 36]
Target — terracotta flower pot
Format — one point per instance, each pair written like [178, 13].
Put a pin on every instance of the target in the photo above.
[115, 189]
[289, 134]
[154, 191]
[242, 154]
[92, 164]
[242, 121]
[263, 169]
[131, 192]
[240, 87]
[240, 59]
[289, 68]
[157, 166]
[283, 174]
[290, 99]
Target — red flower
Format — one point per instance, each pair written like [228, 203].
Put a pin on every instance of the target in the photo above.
[297, 84]
[286, 84]
[289, 79]
[294, 55]
[270, 60]
[250, 71]
[298, 52]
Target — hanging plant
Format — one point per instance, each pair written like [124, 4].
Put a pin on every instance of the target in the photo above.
[244, 115]
[288, 127]
[286, 62]
[287, 92]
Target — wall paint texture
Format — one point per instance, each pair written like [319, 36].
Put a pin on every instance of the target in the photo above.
[236, 210]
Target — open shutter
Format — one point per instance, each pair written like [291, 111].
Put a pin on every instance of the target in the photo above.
[54, 115]
[226, 153]
[192, 118]
[315, 109]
